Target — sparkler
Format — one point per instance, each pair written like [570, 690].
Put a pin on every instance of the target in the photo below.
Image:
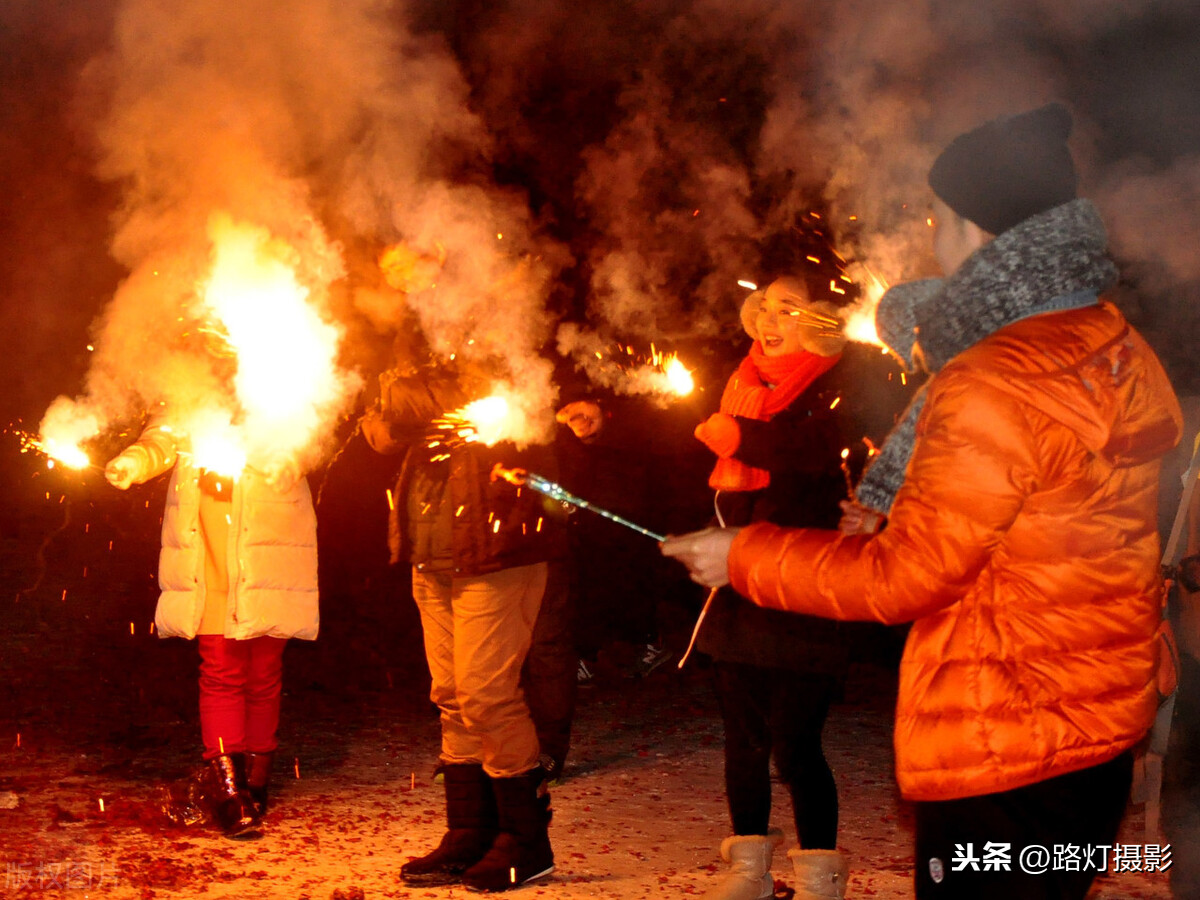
[557, 492]
[629, 370]
[58, 451]
[846, 473]
[484, 421]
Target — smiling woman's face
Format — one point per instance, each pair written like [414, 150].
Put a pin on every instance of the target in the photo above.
[782, 327]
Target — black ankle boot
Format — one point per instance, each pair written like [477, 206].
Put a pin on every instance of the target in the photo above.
[471, 828]
[233, 808]
[521, 852]
[258, 775]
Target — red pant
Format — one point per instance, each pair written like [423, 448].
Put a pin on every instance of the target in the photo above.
[240, 686]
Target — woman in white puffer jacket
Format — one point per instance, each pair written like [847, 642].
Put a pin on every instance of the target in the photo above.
[238, 572]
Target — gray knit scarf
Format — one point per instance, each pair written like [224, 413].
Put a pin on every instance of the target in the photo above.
[1052, 261]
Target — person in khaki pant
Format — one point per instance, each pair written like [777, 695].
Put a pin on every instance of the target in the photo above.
[480, 550]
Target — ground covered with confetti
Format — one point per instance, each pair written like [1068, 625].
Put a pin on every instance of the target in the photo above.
[97, 715]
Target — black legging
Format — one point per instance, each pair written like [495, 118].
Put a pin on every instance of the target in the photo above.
[779, 713]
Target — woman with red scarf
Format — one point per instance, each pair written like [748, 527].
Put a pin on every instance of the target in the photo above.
[778, 438]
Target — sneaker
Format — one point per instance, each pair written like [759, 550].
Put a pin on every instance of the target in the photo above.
[652, 657]
[584, 674]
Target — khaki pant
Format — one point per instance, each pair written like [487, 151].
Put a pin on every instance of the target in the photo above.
[477, 634]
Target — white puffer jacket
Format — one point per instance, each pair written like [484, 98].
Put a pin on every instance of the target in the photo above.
[272, 552]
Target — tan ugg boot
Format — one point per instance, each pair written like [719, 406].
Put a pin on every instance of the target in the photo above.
[749, 875]
[820, 874]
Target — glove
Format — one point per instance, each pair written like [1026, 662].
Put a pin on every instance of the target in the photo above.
[127, 468]
[721, 433]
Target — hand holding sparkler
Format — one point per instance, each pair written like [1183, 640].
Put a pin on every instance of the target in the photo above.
[858, 519]
[704, 553]
[126, 468]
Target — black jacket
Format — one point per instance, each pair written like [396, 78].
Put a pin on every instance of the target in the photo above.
[801, 447]
[448, 513]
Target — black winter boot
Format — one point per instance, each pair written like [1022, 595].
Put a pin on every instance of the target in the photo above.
[521, 852]
[471, 823]
[258, 776]
[232, 805]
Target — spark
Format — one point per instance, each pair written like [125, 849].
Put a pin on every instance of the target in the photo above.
[860, 321]
[846, 473]
[486, 421]
[748, 285]
[678, 377]
[62, 448]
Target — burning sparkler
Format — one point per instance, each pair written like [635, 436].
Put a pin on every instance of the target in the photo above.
[522, 478]
[486, 421]
[860, 321]
[626, 370]
[678, 376]
[55, 450]
[846, 476]
[271, 407]
[64, 429]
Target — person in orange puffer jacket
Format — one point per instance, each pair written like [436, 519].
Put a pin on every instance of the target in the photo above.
[1021, 539]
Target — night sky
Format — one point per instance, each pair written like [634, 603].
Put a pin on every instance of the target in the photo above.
[644, 155]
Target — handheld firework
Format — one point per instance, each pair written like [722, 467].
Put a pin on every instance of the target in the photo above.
[554, 491]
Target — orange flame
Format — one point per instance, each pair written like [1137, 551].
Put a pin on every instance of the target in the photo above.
[860, 321]
[488, 420]
[287, 373]
[66, 426]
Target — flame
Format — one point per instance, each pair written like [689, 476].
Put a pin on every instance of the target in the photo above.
[678, 376]
[486, 421]
[287, 374]
[489, 419]
[860, 321]
[664, 373]
[64, 429]
[216, 445]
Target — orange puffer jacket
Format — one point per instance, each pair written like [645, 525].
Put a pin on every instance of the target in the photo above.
[1022, 546]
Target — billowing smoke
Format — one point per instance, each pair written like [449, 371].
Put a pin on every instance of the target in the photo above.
[726, 123]
[321, 126]
[636, 159]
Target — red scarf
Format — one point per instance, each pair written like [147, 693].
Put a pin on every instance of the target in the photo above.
[749, 394]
